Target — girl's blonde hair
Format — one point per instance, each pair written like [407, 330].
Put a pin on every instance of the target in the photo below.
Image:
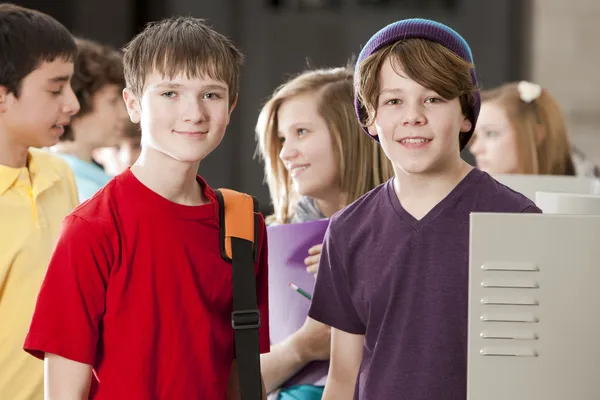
[362, 163]
[543, 146]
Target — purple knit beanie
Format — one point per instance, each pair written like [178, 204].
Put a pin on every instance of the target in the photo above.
[421, 29]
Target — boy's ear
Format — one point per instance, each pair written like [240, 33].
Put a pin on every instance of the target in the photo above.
[372, 130]
[3, 98]
[133, 105]
[466, 125]
[233, 103]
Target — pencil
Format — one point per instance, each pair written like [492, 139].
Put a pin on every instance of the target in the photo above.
[302, 292]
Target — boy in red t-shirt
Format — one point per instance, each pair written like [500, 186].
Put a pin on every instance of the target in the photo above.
[137, 300]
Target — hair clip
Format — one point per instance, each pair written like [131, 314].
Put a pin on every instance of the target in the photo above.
[528, 91]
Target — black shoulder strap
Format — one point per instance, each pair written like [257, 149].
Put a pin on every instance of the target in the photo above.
[238, 216]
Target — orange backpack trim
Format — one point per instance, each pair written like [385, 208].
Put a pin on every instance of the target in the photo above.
[238, 217]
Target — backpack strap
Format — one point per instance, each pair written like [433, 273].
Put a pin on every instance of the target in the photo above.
[239, 219]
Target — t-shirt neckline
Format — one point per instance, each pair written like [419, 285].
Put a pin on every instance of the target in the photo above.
[471, 177]
[155, 203]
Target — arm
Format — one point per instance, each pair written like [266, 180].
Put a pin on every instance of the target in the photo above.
[66, 379]
[64, 330]
[233, 386]
[346, 357]
[309, 343]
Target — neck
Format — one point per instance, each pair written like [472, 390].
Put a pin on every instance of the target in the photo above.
[430, 187]
[76, 149]
[171, 179]
[329, 205]
[12, 154]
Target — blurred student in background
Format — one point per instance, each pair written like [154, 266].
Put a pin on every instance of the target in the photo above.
[521, 130]
[311, 142]
[116, 159]
[98, 83]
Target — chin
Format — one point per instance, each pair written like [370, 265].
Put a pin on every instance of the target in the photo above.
[304, 189]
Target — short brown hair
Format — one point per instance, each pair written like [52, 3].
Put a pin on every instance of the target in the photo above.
[27, 39]
[96, 65]
[182, 45]
[546, 154]
[361, 161]
[424, 61]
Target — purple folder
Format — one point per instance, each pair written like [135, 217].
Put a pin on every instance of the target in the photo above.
[288, 247]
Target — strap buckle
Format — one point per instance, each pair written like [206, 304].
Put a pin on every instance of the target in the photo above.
[245, 319]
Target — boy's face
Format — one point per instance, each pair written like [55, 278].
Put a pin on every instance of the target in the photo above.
[417, 128]
[103, 125]
[45, 105]
[183, 118]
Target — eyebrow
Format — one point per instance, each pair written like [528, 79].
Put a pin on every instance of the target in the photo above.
[383, 91]
[490, 127]
[175, 85]
[60, 79]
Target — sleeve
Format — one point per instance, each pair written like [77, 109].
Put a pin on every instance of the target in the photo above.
[70, 304]
[262, 289]
[531, 209]
[332, 302]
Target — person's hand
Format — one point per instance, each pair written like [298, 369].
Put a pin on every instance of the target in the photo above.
[312, 341]
[312, 261]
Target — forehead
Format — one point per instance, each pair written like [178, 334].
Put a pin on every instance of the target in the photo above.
[156, 79]
[58, 70]
[391, 76]
[296, 109]
[492, 112]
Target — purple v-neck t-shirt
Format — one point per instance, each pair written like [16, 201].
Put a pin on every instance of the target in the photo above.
[403, 283]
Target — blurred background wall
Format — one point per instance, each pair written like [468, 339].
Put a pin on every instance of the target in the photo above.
[549, 41]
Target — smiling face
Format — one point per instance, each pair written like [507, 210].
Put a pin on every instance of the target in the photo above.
[417, 128]
[182, 118]
[494, 142]
[307, 148]
[46, 103]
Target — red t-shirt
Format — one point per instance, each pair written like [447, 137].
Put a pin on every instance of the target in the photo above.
[137, 288]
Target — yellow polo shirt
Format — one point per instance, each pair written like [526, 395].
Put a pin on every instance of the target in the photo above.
[33, 202]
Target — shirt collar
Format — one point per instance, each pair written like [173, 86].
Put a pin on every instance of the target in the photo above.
[43, 175]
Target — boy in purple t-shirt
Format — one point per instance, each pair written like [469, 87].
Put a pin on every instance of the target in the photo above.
[393, 274]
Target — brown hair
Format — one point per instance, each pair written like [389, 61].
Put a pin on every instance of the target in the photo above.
[361, 161]
[27, 39]
[426, 62]
[543, 146]
[182, 45]
[96, 65]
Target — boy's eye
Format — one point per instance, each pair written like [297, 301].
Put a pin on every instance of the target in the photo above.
[491, 134]
[56, 92]
[301, 131]
[212, 96]
[168, 94]
[392, 102]
[433, 100]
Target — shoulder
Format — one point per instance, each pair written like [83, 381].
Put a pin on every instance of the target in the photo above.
[102, 207]
[494, 196]
[363, 212]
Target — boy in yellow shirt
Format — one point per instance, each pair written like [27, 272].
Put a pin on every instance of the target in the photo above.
[37, 189]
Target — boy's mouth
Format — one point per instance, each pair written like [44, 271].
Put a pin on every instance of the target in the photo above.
[414, 142]
[190, 133]
[59, 128]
